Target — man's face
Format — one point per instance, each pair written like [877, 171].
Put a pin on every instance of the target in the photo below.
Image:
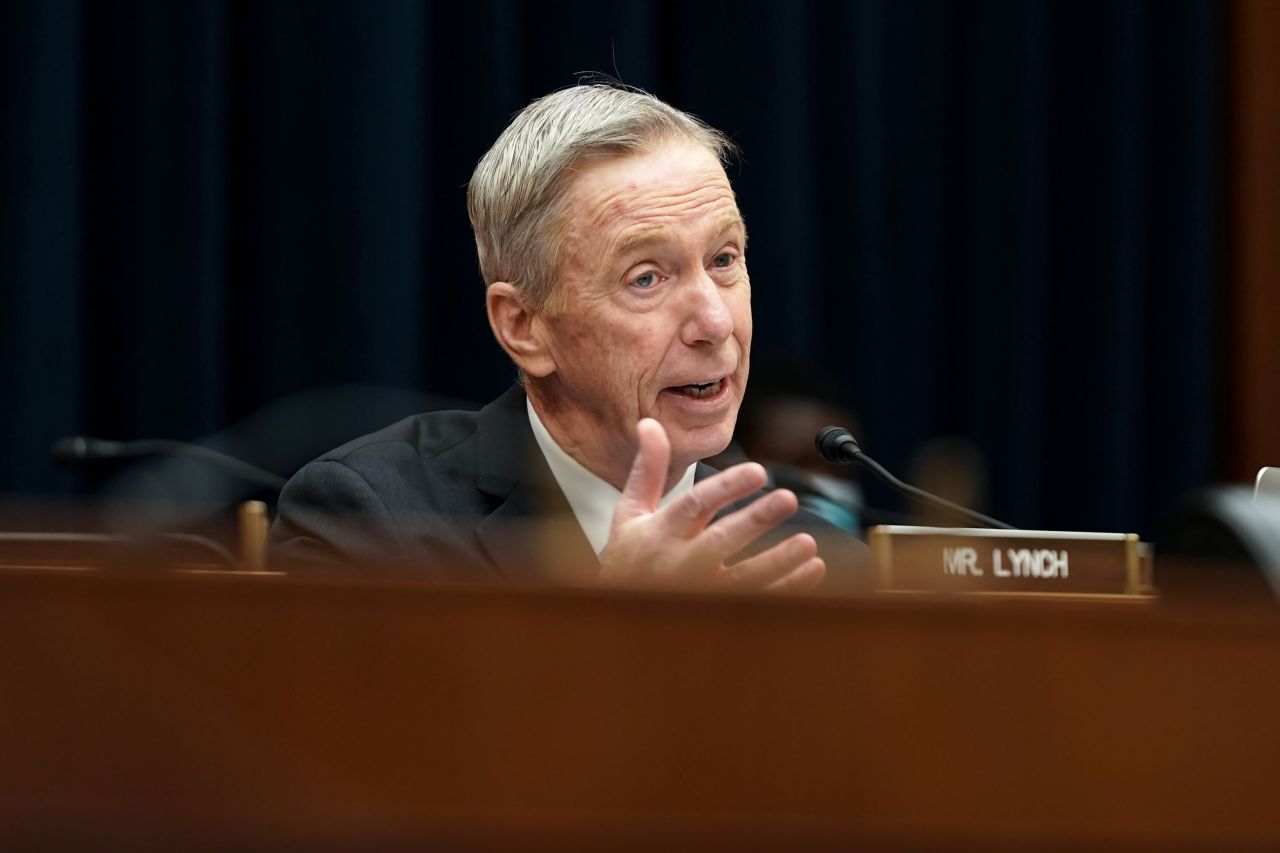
[655, 317]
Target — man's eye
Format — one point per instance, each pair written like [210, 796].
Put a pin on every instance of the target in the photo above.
[645, 281]
[724, 259]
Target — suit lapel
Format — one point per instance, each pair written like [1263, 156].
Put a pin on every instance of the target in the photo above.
[531, 534]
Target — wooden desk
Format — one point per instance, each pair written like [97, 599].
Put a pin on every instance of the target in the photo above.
[265, 712]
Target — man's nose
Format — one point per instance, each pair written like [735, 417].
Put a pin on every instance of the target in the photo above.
[709, 321]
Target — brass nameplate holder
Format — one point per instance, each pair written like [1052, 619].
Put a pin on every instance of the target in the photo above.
[1014, 562]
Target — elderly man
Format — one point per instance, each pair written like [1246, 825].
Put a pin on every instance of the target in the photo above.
[615, 258]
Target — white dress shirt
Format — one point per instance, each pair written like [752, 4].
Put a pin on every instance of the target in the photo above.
[591, 498]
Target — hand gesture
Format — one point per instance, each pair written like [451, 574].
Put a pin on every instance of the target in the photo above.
[679, 545]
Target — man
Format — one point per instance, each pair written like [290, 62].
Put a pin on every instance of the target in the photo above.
[615, 261]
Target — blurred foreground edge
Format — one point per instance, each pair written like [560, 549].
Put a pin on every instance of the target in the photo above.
[239, 711]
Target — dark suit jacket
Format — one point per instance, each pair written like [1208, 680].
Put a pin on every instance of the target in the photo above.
[455, 496]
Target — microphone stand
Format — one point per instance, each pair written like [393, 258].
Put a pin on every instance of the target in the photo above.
[838, 446]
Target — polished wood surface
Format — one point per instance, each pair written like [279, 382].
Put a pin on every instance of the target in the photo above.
[256, 711]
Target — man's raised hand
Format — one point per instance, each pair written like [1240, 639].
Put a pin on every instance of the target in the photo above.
[679, 546]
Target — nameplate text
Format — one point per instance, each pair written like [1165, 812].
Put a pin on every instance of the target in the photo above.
[931, 559]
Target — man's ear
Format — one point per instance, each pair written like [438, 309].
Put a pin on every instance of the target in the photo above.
[520, 329]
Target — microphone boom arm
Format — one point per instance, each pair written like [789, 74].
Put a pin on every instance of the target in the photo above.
[837, 445]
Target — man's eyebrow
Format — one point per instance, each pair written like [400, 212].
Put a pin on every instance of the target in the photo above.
[734, 221]
[649, 234]
[642, 237]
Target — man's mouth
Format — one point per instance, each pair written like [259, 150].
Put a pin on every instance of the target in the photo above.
[699, 390]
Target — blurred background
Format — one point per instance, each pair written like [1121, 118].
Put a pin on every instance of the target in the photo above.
[1029, 248]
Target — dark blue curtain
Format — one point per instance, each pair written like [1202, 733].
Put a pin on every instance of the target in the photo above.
[991, 219]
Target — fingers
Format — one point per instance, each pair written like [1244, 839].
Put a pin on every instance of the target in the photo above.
[679, 544]
[802, 579]
[735, 531]
[690, 514]
[643, 490]
[791, 564]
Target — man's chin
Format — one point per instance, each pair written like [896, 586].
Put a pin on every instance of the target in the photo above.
[690, 446]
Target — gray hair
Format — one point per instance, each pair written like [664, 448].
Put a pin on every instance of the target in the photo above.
[516, 196]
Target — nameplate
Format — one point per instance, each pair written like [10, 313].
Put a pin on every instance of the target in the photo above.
[1019, 562]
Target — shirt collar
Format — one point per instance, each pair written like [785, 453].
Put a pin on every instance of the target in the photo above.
[592, 499]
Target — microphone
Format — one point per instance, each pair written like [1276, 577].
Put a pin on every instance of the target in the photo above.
[78, 449]
[838, 446]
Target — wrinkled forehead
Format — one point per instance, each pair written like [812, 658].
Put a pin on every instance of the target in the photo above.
[678, 183]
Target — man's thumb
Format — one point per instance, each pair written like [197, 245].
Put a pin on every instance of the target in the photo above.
[643, 491]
